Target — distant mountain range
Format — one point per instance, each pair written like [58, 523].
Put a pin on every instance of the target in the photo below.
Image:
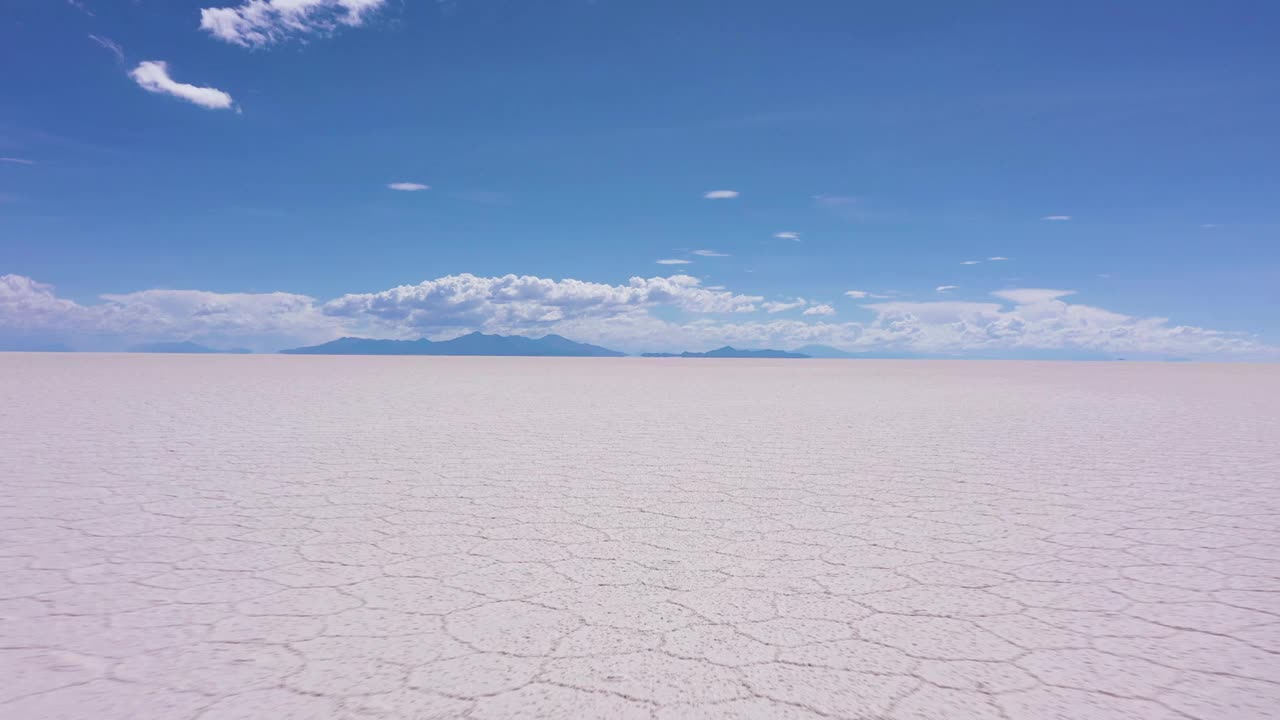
[731, 352]
[472, 344]
[184, 347]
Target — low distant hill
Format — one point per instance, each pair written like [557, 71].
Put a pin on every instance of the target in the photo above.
[185, 347]
[472, 344]
[731, 352]
[29, 345]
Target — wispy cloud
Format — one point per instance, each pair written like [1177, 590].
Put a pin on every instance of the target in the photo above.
[110, 45]
[794, 236]
[710, 253]
[259, 23]
[945, 288]
[721, 194]
[823, 309]
[17, 161]
[997, 258]
[970, 262]
[1032, 296]
[674, 261]
[408, 186]
[778, 306]
[77, 4]
[1056, 218]
[861, 294]
[153, 76]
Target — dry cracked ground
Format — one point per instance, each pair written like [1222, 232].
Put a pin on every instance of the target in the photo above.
[368, 538]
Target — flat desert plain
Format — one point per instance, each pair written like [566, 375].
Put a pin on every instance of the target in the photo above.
[276, 537]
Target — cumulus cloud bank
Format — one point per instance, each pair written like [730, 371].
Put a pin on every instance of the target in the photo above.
[1017, 320]
[153, 76]
[258, 23]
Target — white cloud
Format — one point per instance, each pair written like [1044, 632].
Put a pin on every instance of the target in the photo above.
[1056, 218]
[17, 161]
[1038, 320]
[153, 76]
[261, 320]
[823, 309]
[720, 194]
[110, 45]
[673, 261]
[710, 253]
[945, 288]
[408, 186]
[788, 236]
[783, 306]
[970, 262]
[997, 258]
[860, 294]
[527, 303]
[1031, 296]
[258, 23]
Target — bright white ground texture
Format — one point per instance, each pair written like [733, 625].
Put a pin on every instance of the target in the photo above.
[367, 538]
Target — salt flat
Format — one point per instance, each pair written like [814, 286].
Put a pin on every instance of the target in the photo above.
[343, 537]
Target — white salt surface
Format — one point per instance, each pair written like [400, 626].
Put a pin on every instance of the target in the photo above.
[339, 537]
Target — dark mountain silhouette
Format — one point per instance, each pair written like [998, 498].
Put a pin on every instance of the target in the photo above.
[186, 347]
[730, 352]
[472, 344]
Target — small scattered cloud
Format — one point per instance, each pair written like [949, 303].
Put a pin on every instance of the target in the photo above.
[260, 23]
[112, 46]
[17, 161]
[793, 236]
[408, 186]
[783, 306]
[674, 261]
[1105, 276]
[862, 294]
[710, 253]
[823, 309]
[945, 288]
[1056, 218]
[970, 262]
[153, 76]
[721, 194]
[79, 5]
[1032, 296]
[997, 258]
[1208, 226]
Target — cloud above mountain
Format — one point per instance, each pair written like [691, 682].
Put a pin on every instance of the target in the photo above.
[657, 313]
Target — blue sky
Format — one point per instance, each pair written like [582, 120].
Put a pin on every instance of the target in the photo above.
[219, 170]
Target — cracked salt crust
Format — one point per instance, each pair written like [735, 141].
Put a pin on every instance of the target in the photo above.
[372, 538]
